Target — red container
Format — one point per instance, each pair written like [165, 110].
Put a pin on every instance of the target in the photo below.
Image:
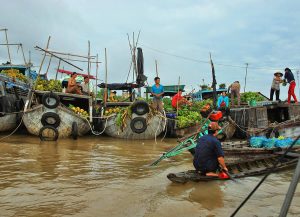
[215, 116]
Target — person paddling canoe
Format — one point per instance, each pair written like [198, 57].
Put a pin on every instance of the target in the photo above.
[209, 155]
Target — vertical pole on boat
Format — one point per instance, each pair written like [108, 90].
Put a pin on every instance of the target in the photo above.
[48, 66]
[105, 89]
[298, 82]
[177, 93]
[156, 69]
[89, 68]
[214, 82]
[57, 69]
[24, 58]
[8, 51]
[290, 194]
[97, 69]
[42, 63]
[246, 77]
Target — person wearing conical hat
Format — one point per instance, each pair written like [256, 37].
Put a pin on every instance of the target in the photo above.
[275, 88]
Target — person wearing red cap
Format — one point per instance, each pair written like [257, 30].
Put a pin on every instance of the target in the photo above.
[209, 155]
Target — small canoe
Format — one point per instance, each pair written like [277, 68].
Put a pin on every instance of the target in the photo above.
[242, 169]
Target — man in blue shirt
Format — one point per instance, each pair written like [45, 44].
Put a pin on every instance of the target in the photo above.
[209, 156]
[157, 91]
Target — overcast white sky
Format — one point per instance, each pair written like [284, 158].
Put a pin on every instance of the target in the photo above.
[263, 33]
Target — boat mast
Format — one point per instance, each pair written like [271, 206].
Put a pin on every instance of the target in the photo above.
[6, 39]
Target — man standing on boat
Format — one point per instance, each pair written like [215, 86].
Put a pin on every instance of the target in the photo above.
[234, 89]
[157, 91]
[209, 155]
[72, 85]
[289, 78]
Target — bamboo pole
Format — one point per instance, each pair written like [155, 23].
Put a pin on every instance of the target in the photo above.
[177, 103]
[246, 77]
[76, 60]
[156, 69]
[48, 66]
[57, 69]
[11, 44]
[42, 62]
[8, 51]
[46, 51]
[70, 54]
[97, 69]
[89, 68]
[105, 89]
[23, 54]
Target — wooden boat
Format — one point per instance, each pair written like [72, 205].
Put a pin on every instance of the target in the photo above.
[58, 121]
[242, 169]
[154, 125]
[13, 94]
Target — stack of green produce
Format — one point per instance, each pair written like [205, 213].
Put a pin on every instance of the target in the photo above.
[14, 74]
[168, 104]
[248, 96]
[187, 118]
[51, 85]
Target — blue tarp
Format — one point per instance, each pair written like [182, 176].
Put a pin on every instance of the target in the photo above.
[263, 142]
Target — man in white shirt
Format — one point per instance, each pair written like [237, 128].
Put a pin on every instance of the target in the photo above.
[85, 86]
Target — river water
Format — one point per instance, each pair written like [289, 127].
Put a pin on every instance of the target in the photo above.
[100, 176]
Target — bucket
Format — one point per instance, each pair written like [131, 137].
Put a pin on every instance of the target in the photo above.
[252, 102]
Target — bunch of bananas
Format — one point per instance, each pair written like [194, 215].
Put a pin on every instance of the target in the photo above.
[14, 74]
[79, 111]
[110, 111]
[51, 85]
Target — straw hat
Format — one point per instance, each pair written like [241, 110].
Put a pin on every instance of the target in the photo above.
[278, 73]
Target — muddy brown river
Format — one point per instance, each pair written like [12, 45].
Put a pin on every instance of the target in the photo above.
[100, 176]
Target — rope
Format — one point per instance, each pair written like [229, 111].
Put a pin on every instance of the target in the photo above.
[97, 133]
[265, 177]
[15, 130]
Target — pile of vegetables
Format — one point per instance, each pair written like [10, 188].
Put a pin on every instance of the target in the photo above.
[187, 118]
[79, 111]
[51, 85]
[248, 96]
[14, 74]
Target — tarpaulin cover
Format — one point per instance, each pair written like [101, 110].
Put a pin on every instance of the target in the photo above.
[70, 73]
[118, 86]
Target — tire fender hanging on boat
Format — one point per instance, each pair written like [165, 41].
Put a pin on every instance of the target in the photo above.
[138, 125]
[50, 100]
[44, 138]
[140, 107]
[74, 132]
[51, 119]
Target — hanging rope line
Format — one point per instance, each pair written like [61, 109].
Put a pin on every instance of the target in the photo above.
[208, 62]
[265, 177]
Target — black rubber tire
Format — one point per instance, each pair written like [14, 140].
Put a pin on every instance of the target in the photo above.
[140, 107]
[270, 131]
[19, 105]
[140, 120]
[54, 100]
[42, 138]
[74, 132]
[45, 119]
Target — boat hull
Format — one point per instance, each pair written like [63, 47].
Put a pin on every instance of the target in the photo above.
[155, 126]
[8, 122]
[32, 121]
[239, 170]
